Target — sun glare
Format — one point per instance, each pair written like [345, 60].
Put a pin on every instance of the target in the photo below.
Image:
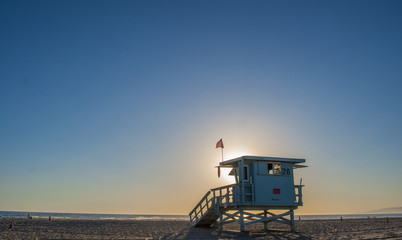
[225, 171]
[235, 154]
[225, 176]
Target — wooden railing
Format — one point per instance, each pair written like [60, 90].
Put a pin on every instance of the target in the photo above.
[299, 195]
[221, 196]
[230, 195]
[199, 209]
[225, 195]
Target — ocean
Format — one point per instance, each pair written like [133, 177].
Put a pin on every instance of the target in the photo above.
[54, 215]
[90, 216]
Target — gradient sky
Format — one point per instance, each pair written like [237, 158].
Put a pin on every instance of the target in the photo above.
[116, 106]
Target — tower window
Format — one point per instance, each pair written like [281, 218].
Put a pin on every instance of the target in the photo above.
[278, 168]
[270, 168]
[274, 168]
[246, 173]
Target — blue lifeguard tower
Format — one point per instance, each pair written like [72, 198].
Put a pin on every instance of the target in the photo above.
[262, 184]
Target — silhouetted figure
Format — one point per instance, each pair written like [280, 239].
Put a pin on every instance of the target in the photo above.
[11, 225]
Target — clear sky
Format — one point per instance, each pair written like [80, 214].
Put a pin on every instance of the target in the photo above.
[116, 106]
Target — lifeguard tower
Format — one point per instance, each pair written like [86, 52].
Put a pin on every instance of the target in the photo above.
[262, 184]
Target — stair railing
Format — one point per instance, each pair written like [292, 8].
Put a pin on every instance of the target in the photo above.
[221, 196]
[199, 210]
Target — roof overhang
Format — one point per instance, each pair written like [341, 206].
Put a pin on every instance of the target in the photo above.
[234, 161]
[299, 166]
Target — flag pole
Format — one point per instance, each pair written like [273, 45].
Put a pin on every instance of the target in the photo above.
[222, 154]
[219, 144]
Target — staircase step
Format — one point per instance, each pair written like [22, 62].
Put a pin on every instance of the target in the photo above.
[207, 219]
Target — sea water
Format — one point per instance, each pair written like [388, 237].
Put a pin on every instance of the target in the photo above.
[86, 216]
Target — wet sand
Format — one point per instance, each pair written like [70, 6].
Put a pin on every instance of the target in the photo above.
[373, 228]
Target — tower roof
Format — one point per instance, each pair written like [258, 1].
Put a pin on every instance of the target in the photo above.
[234, 161]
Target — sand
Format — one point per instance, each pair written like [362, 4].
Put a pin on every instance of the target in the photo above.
[373, 228]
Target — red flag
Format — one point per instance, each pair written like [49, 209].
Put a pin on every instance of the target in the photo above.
[219, 144]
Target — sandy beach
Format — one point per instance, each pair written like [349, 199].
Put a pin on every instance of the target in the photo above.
[373, 228]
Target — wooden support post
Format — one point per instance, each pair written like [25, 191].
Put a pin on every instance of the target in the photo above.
[241, 168]
[292, 220]
[241, 220]
[220, 220]
[265, 222]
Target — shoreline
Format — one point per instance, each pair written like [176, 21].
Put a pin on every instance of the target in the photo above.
[367, 228]
[100, 216]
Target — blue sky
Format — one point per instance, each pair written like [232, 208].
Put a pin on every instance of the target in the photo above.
[109, 106]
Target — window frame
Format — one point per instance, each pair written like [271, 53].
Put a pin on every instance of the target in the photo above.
[270, 171]
[274, 171]
[246, 172]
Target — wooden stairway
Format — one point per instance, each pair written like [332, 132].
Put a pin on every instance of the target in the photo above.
[206, 212]
[208, 219]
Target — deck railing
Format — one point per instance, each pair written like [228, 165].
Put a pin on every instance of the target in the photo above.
[230, 195]
[225, 195]
[299, 195]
